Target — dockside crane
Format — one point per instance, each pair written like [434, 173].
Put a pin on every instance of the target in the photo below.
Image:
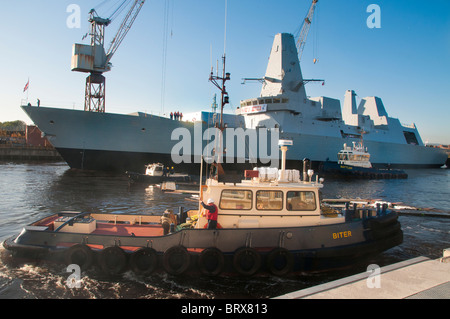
[301, 40]
[95, 60]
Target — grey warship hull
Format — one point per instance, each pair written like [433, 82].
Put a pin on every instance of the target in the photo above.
[116, 142]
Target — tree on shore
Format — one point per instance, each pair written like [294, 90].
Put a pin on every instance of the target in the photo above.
[13, 126]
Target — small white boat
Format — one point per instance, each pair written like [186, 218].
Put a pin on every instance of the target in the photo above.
[157, 173]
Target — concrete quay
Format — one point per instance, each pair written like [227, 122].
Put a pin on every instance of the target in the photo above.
[417, 278]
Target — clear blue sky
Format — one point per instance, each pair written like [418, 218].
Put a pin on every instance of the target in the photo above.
[406, 62]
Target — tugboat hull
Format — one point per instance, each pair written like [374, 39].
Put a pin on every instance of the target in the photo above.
[341, 170]
[247, 251]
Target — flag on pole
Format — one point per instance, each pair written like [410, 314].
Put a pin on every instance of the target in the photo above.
[26, 86]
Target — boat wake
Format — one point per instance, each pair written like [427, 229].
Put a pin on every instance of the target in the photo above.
[25, 279]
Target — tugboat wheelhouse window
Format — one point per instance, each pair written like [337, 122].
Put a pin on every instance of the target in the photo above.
[301, 201]
[236, 199]
[269, 200]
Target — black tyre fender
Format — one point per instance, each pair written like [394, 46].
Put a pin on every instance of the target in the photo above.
[113, 260]
[144, 261]
[80, 255]
[280, 262]
[211, 262]
[390, 230]
[381, 222]
[247, 261]
[176, 260]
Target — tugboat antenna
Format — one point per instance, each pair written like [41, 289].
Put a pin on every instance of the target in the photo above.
[225, 32]
[225, 76]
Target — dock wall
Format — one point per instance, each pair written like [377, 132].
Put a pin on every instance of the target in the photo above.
[417, 278]
[28, 153]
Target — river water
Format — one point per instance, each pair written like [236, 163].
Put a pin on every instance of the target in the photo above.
[30, 191]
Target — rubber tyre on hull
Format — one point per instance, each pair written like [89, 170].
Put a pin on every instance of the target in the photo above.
[280, 262]
[80, 255]
[247, 261]
[211, 262]
[113, 260]
[176, 260]
[387, 231]
[144, 261]
[381, 222]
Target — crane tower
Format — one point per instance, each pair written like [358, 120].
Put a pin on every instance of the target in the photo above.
[301, 41]
[93, 58]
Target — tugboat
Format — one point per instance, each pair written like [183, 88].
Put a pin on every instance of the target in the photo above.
[271, 221]
[355, 162]
[157, 173]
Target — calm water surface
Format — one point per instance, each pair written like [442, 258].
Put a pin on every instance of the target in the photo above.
[32, 191]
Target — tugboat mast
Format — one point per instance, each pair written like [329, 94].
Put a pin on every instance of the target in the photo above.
[225, 76]
[215, 79]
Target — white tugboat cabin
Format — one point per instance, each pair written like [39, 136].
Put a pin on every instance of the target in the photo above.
[269, 197]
